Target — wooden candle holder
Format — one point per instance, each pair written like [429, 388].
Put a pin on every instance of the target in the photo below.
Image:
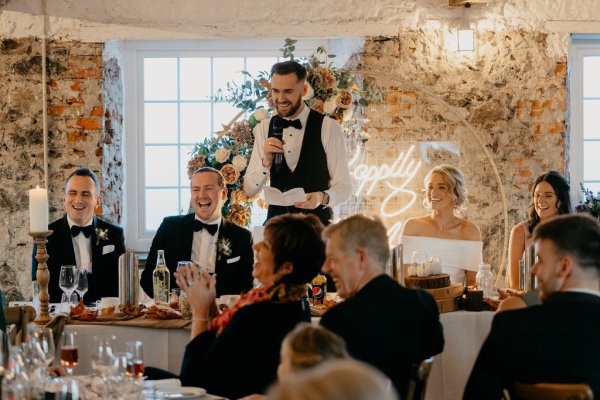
[42, 275]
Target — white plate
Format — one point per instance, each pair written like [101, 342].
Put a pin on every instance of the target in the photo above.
[184, 392]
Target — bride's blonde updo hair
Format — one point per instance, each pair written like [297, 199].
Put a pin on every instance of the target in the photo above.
[451, 177]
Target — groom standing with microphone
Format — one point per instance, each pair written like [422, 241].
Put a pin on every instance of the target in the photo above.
[299, 147]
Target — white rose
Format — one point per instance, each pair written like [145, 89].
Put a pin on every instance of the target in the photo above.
[329, 106]
[221, 155]
[240, 162]
[310, 93]
[261, 114]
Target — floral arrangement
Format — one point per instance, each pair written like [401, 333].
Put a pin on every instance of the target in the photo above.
[332, 91]
[590, 204]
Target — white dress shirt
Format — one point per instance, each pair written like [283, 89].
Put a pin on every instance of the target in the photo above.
[82, 247]
[204, 246]
[333, 144]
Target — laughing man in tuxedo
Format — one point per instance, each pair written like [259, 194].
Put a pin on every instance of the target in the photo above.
[557, 341]
[79, 238]
[205, 238]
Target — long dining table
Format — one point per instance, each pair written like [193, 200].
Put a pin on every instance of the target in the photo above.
[165, 341]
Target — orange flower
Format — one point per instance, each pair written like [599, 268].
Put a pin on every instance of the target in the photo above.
[317, 105]
[343, 99]
[231, 173]
[238, 214]
[196, 162]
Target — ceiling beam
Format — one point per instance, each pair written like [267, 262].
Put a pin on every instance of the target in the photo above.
[467, 2]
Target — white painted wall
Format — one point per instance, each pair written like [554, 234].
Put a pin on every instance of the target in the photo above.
[100, 20]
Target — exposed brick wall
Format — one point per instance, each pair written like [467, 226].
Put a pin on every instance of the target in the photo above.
[511, 96]
[75, 118]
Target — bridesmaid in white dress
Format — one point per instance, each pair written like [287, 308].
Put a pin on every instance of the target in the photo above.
[456, 241]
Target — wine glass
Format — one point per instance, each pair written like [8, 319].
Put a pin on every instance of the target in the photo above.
[82, 283]
[69, 354]
[45, 341]
[135, 359]
[67, 280]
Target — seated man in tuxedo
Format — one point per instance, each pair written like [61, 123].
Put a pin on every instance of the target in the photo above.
[383, 323]
[557, 341]
[81, 239]
[205, 238]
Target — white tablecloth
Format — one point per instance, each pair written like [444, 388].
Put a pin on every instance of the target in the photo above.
[163, 348]
[464, 333]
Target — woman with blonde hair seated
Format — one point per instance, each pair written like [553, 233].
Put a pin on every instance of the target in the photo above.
[442, 234]
[335, 380]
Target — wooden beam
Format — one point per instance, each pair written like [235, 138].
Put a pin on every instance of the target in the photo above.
[465, 2]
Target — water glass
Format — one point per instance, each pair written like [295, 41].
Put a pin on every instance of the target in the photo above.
[103, 355]
[82, 284]
[419, 258]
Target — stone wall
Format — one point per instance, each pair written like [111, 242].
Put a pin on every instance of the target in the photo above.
[75, 120]
[508, 100]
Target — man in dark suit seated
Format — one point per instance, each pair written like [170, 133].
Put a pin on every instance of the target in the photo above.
[383, 323]
[205, 238]
[557, 341]
[83, 240]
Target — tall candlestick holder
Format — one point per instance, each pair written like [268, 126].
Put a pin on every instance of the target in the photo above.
[42, 275]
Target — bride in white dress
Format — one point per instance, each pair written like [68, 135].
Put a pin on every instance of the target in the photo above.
[455, 241]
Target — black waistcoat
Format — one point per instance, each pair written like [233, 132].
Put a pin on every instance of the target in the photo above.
[311, 173]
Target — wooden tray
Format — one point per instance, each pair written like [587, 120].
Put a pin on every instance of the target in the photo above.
[448, 292]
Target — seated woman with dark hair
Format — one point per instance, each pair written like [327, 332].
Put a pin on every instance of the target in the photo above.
[236, 353]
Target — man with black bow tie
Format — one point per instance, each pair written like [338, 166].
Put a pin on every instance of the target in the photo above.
[312, 148]
[205, 238]
[83, 240]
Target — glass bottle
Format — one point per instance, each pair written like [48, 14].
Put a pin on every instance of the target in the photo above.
[485, 280]
[161, 280]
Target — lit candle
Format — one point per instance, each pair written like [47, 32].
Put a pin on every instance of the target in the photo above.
[38, 210]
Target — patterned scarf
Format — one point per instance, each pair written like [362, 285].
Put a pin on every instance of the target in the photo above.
[275, 293]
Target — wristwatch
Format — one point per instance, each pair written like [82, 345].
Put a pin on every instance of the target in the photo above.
[325, 201]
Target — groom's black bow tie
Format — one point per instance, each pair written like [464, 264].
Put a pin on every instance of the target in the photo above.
[87, 230]
[286, 123]
[210, 228]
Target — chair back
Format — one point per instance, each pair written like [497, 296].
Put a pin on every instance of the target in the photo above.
[19, 317]
[550, 391]
[417, 382]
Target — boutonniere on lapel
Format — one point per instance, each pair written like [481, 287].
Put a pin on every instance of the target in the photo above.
[224, 247]
[101, 234]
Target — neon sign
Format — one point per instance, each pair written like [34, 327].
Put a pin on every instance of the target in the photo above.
[396, 177]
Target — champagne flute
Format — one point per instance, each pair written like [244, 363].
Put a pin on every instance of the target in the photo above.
[135, 359]
[69, 354]
[67, 280]
[82, 283]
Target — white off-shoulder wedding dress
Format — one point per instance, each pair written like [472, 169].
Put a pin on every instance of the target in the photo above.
[456, 256]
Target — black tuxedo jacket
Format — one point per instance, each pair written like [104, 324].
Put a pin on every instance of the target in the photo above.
[175, 236]
[243, 359]
[555, 342]
[389, 327]
[104, 280]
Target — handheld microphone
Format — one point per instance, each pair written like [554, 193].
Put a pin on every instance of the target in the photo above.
[278, 133]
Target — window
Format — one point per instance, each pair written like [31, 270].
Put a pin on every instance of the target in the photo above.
[585, 114]
[169, 107]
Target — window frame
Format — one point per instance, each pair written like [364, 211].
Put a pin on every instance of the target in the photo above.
[581, 46]
[133, 53]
